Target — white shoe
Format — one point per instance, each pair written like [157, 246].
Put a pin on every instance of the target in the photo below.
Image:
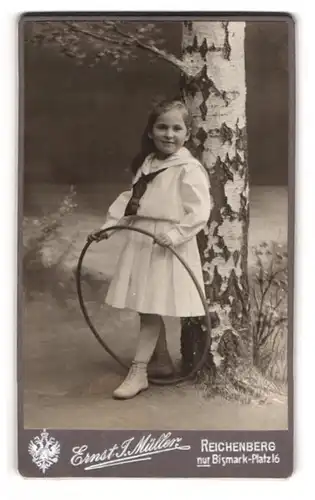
[135, 382]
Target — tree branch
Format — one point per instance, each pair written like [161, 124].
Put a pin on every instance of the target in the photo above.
[170, 58]
[160, 53]
[77, 29]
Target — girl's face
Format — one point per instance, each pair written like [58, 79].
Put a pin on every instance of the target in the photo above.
[169, 132]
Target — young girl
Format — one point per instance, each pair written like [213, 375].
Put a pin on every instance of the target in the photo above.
[170, 198]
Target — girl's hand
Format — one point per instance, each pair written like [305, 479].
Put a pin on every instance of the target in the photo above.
[163, 240]
[97, 236]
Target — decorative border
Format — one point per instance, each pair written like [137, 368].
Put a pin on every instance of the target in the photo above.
[114, 453]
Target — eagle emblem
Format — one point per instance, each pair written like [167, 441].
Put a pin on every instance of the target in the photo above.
[44, 451]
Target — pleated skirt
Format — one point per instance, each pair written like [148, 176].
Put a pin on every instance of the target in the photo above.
[150, 279]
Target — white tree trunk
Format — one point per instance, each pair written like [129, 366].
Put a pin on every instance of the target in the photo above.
[217, 99]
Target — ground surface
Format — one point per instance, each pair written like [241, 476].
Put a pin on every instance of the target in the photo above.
[68, 379]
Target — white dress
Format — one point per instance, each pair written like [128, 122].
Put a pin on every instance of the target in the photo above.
[148, 278]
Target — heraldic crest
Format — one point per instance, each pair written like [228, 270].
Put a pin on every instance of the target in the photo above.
[44, 451]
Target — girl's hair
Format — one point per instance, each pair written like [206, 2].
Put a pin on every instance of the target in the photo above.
[147, 145]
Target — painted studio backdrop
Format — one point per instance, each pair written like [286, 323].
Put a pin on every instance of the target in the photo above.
[87, 90]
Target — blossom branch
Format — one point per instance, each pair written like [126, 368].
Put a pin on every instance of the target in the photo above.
[132, 39]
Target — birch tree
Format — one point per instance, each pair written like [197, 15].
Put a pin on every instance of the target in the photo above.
[212, 83]
[216, 97]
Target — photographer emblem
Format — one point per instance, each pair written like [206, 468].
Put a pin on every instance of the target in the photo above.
[44, 451]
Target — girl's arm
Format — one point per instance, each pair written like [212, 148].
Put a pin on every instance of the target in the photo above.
[114, 215]
[197, 205]
[116, 210]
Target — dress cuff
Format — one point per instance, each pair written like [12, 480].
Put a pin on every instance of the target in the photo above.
[124, 221]
[174, 235]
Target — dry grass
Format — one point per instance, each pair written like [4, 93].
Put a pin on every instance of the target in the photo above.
[269, 310]
[244, 383]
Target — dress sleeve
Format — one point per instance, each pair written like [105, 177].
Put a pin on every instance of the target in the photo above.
[116, 210]
[197, 206]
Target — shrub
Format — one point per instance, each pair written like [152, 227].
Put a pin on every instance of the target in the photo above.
[269, 315]
[44, 248]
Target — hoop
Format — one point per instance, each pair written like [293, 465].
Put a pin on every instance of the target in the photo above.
[156, 381]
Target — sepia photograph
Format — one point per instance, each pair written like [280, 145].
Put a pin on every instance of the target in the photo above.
[154, 195]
